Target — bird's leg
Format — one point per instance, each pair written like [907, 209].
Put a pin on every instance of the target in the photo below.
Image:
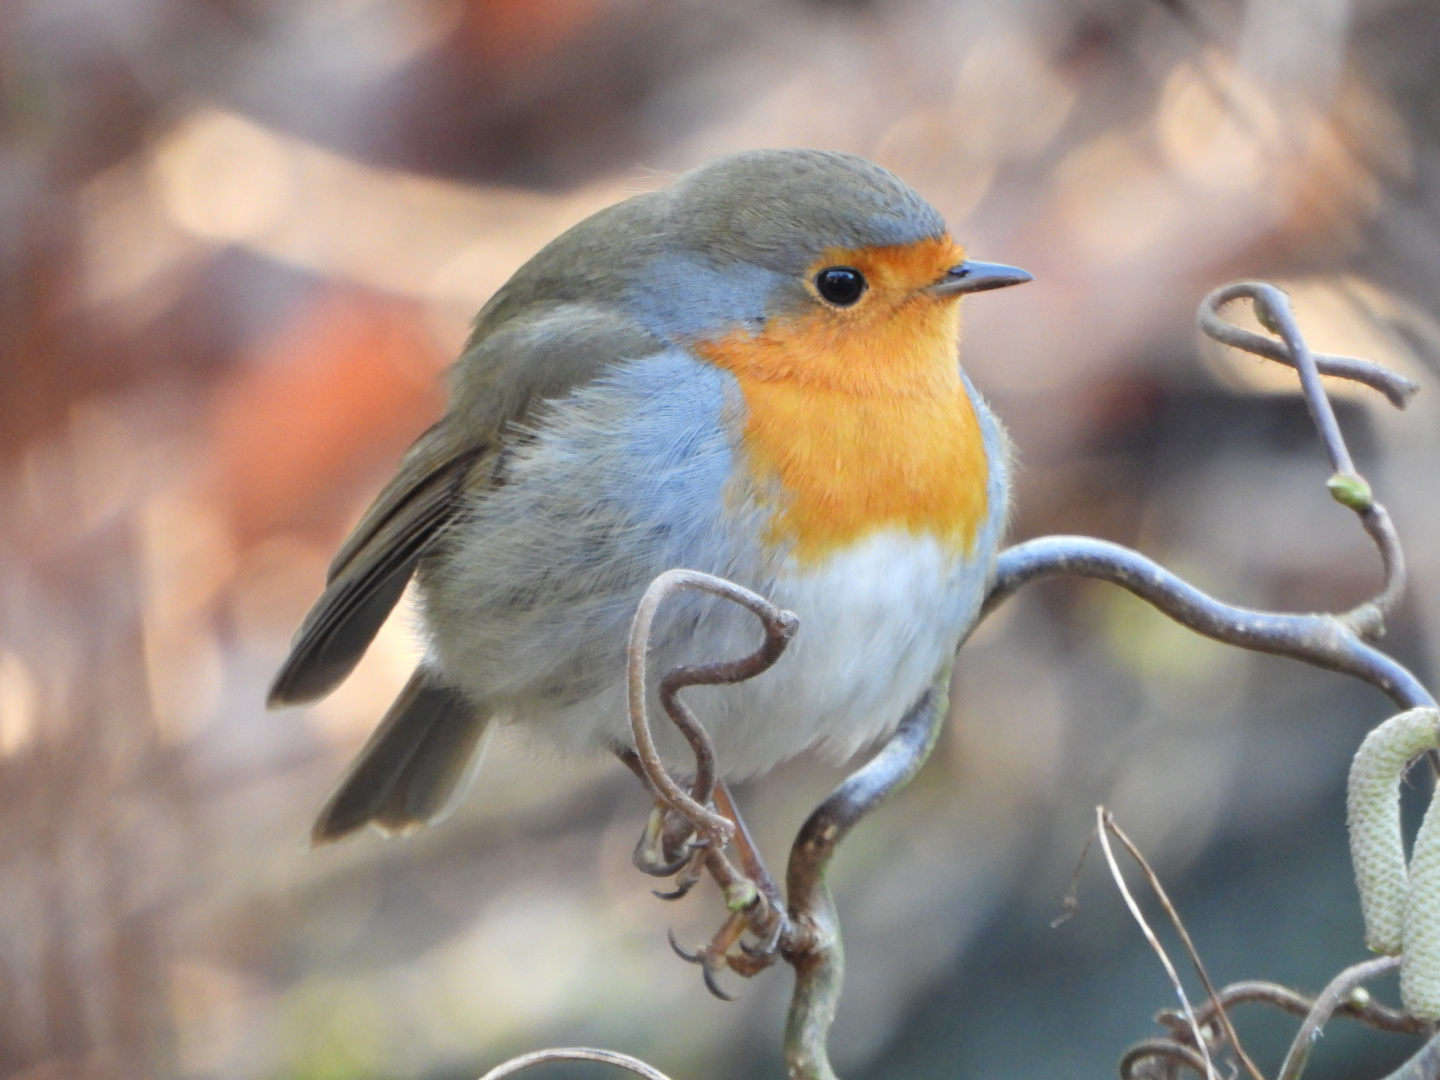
[672, 843]
[766, 921]
[752, 898]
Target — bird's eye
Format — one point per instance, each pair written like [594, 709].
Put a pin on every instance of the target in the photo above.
[841, 285]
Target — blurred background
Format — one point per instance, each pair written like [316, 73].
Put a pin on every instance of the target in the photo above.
[240, 240]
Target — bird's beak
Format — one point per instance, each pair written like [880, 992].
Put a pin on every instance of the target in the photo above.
[971, 276]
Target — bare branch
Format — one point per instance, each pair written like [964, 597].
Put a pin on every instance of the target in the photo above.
[780, 627]
[1330, 999]
[1396, 387]
[1348, 487]
[813, 945]
[1321, 640]
[751, 896]
[1365, 1010]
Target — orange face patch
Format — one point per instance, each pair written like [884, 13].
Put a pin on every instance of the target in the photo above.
[857, 417]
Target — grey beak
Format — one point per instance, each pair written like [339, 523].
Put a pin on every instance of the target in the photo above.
[971, 276]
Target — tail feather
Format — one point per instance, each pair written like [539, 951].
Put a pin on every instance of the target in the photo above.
[414, 768]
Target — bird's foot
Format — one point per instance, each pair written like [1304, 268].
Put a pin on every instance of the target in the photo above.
[729, 949]
[751, 896]
[674, 844]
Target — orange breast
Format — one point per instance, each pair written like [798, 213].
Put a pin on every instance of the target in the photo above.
[858, 421]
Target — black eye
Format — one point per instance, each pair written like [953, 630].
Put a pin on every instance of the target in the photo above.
[841, 285]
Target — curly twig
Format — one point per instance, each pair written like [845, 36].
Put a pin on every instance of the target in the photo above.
[1396, 387]
[1322, 640]
[751, 897]
[575, 1053]
[1162, 1048]
[780, 627]
[1364, 1010]
[1348, 487]
[1330, 999]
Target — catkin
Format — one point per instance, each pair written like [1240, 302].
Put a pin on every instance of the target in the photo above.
[1377, 849]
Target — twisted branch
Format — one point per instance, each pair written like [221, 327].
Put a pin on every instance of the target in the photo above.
[780, 627]
[1364, 1009]
[1331, 998]
[1322, 640]
[813, 947]
[1349, 488]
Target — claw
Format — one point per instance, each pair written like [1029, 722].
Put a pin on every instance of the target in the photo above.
[713, 986]
[663, 869]
[649, 855]
[681, 890]
[751, 896]
[689, 958]
[705, 958]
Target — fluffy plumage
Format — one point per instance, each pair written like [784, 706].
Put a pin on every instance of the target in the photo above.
[661, 387]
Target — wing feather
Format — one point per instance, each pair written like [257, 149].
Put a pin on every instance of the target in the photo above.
[366, 585]
[510, 363]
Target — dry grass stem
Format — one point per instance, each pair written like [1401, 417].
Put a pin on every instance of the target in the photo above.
[1216, 1006]
[1104, 825]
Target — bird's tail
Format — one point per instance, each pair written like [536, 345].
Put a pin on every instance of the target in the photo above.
[416, 766]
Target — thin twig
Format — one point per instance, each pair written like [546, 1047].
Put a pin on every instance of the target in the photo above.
[1321, 640]
[1331, 998]
[575, 1053]
[754, 905]
[1348, 487]
[1071, 903]
[1190, 950]
[1104, 825]
[1368, 1011]
[779, 626]
[1164, 1048]
[1398, 389]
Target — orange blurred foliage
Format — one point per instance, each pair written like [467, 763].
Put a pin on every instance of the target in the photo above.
[334, 396]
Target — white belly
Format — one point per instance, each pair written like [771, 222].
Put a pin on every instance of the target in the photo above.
[878, 622]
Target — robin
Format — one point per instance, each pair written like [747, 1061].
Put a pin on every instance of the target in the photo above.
[753, 373]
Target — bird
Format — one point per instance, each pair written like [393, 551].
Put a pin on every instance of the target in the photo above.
[753, 372]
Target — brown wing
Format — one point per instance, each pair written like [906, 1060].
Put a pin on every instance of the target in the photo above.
[368, 576]
[509, 364]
